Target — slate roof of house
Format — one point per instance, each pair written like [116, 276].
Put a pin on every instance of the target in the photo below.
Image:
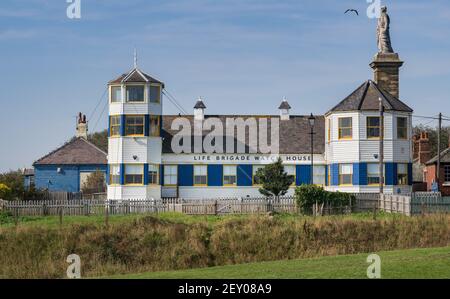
[294, 135]
[284, 105]
[78, 151]
[366, 97]
[199, 105]
[445, 157]
[135, 76]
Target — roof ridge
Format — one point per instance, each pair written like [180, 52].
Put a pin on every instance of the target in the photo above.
[57, 149]
[381, 92]
[353, 92]
[434, 159]
[368, 82]
[93, 145]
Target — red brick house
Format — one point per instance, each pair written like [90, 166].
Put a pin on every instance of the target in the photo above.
[444, 172]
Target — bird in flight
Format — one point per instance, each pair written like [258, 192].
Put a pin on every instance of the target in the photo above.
[353, 10]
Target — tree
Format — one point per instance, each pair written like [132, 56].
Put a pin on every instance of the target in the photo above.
[95, 183]
[14, 181]
[275, 181]
[5, 191]
[99, 139]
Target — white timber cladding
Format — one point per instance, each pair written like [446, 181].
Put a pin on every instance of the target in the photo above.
[234, 159]
[371, 189]
[154, 150]
[146, 107]
[214, 192]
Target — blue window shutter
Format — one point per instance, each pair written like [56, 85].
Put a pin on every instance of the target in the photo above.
[410, 174]
[122, 125]
[146, 125]
[326, 175]
[146, 174]
[185, 175]
[389, 175]
[335, 174]
[363, 174]
[122, 174]
[303, 174]
[215, 173]
[244, 175]
[395, 174]
[107, 174]
[356, 174]
[161, 174]
[109, 126]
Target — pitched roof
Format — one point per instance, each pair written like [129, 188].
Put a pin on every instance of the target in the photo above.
[135, 76]
[445, 157]
[78, 151]
[294, 135]
[366, 97]
[284, 105]
[199, 105]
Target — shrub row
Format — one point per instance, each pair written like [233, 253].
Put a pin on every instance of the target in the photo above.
[308, 195]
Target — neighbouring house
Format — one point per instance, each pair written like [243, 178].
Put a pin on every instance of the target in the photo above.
[28, 178]
[421, 155]
[430, 172]
[67, 167]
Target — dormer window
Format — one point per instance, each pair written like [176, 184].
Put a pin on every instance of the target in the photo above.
[135, 94]
[116, 94]
[155, 94]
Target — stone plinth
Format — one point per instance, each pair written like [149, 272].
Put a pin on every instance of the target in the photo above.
[386, 72]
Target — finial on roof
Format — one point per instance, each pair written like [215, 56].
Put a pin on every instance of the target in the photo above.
[135, 58]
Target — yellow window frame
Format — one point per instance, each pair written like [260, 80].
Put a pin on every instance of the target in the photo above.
[134, 125]
[164, 170]
[112, 126]
[405, 128]
[144, 100]
[133, 184]
[368, 127]
[193, 175]
[157, 174]
[110, 93]
[159, 92]
[110, 175]
[341, 128]
[342, 175]
[223, 175]
[406, 174]
[157, 132]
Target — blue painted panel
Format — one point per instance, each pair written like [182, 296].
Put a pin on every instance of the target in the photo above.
[161, 174]
[326, 175]
[303, 174]
[185, 175]
[146, 125]
[109, 126]
[363, 174]
[356, 174]
[410, 174]
[389, 175]
[244, 175]
[107, 174]
[122, 125]
[215, 173]
[122, 174]
[335, 174]
[395, 174]
[145, 174]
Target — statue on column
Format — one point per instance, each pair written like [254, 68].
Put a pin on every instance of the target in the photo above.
[383, 36]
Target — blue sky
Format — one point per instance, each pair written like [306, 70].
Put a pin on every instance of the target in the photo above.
[241, 56]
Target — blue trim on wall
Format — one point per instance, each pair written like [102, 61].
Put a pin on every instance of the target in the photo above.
[356, 174]
[146, 174]
[122, 125]
[335, 174]
[107, 174]
[122, 174]
[244, 175]
[395, 174]
[215, 173]
[389, 173]
[363, 174]
[303, 174]
[161, 174]
[109, 126]
[146, 125]
[410, 174]
[326, 175]
[185, 175]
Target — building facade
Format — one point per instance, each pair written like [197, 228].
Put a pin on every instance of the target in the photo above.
[144, 159]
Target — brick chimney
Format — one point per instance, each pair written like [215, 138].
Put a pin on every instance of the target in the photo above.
[421, 148]
[82, 127]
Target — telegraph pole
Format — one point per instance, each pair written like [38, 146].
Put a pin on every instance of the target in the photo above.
[438, 168]
[381, 151]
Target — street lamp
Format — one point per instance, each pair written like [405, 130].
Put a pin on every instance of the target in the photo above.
[312, 120]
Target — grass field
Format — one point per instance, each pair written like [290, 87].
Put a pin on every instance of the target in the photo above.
[53, 221]
[412, 263]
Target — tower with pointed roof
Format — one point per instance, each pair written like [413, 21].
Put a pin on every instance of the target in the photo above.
[134, 136]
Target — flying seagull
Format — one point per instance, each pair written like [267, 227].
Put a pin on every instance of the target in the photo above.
[354, 10]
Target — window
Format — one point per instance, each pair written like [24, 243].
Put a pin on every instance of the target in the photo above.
[116, 94]
[345, 174]
[135, 94]
[114, 174]
[402, 174]
[402, 128]
[114, 125]
[329, 175]
[447, 173]
[373, 174]
[319, 175]
[134, 125]
[229, 175]
[134, 174]
[154, 126]
[290, 170]
[200, 175]
[155, 94]
[170, 175]
[345, 128]
[256, 179]
[373, 126]
[153, 171]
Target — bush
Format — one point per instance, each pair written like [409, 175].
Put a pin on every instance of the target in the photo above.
[307, 195]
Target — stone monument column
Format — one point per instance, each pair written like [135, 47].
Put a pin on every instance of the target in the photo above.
[386, 63]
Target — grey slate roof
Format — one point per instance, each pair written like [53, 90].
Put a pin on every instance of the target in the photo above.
[366, 97]
[284, 105]
[445, 157]
[134, 76]
[78, 151]
[294, 135]
[199, 105]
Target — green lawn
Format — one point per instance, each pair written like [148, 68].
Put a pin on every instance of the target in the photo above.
[53, 221]
[412, 263]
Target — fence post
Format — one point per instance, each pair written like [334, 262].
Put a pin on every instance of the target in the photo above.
[215, 208]
[107, 214]
[60, 215]
[16, 216]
